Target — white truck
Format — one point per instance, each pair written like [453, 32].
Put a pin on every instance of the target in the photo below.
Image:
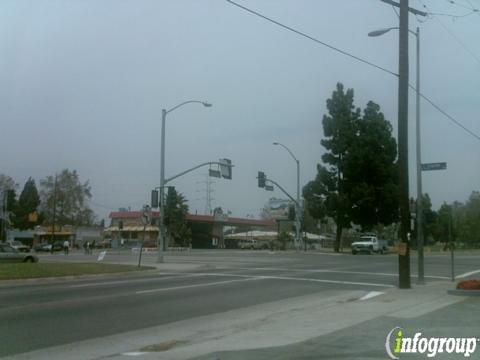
[369, 243]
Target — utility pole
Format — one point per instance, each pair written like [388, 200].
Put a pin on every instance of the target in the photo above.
[403, 258]
[54, 210]
[3, 229]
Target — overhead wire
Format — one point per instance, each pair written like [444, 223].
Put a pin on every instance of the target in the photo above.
[312, 38]
[451, 118]
[459, 41]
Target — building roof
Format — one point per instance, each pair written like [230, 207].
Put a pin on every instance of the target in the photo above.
[196, 217]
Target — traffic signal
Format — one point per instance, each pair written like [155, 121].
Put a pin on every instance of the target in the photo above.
[261, 179]
[226, 168]
[154, 200]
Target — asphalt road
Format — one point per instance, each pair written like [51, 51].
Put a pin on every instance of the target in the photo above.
[40, 315]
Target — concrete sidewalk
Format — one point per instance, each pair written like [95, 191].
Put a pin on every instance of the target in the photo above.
[267, 326]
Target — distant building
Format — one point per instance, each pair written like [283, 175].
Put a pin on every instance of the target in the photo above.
[127, 229]
[50, 234]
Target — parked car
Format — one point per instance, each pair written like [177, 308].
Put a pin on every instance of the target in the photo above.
[369, 243]
[18, 245]
[252, 244]
[9, 254]
[43, 247]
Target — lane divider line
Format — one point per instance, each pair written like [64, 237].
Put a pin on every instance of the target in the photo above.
[194, 285]
[467, 274]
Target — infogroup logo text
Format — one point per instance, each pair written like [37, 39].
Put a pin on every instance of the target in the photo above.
[397, 343]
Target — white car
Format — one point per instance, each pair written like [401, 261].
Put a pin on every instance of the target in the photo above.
[9, 254]
[369, 244]
[18, 246]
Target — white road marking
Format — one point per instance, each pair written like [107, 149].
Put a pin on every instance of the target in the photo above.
[342, 272]
[195, 285]
[131, 281]
[134, 353]
[297, 279]
[467, 274]
[325, 281]
[370, 295]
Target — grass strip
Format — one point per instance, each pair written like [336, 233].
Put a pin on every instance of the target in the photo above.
[58, 269]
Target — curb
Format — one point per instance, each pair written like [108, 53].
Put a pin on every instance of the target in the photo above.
[464, 292]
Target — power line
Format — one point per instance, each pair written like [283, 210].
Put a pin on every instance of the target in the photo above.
[451, 118]
[312, 38]
[462, 6]
[462, 44]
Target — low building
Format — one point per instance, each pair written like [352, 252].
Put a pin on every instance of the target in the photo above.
[50, 234]
[127, 229]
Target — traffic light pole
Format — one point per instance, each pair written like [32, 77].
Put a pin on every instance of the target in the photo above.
[297, 207]
[195, 168]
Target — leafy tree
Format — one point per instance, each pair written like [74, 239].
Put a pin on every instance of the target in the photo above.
[471, 220]
[70, 197]
[8, 203]
[371, 171]
[176, 210]
[429, 221]
[7, 183]
[339, 128]
[359, 181]
[28, 203]
[444, 226]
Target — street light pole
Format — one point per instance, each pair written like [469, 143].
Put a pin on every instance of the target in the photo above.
[297, 205]
[421, 273]
[161, 227]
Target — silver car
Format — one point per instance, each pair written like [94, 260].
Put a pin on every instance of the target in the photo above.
[9, 254]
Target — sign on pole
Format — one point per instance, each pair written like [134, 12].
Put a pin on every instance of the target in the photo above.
[434, 166]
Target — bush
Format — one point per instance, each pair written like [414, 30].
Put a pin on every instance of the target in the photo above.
[473, 284]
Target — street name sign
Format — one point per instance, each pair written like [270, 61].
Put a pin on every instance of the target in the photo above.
[434, 166]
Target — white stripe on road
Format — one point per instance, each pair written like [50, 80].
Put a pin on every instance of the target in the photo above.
[467, 274]
[298, 279]
[341, 272]
[370, 295]
[131, 281]
[195, 285]
[325, 281]
[134, 353]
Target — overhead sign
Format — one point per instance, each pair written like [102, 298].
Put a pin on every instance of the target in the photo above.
[214, 173]
[434, 166]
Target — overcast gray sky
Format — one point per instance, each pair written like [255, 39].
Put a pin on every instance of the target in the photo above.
[83, 83]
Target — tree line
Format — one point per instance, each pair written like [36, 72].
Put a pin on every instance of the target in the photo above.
[457, 222]
[62, 196]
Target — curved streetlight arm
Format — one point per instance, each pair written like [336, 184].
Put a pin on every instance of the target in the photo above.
[380, 32]
[204, 103]
[289, 151]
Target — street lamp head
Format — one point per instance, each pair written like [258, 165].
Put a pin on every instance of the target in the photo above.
[275, 143]
[206, 104]
[379, 32]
